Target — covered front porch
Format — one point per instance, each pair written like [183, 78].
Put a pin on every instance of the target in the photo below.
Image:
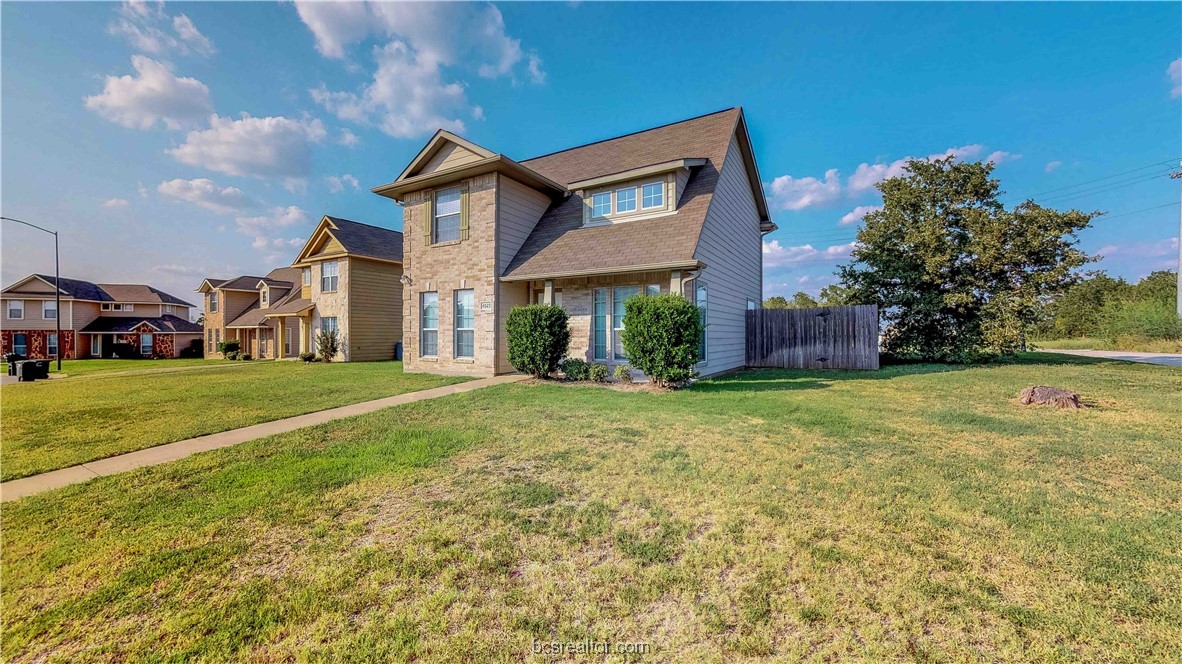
[595, 305]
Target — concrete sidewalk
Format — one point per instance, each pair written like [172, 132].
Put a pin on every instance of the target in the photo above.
[1167, 359]
[153, 456]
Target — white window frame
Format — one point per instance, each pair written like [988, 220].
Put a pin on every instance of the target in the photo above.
[660, 184]
[635, 201]
[595, 214]
[264, 295]
[25, 345]
[615, 353]
[702, 300]
[652, 289]
[20, 305]
[129, 307]
[168, 308]
[106, 306]
[335, 327]
[46, 307]
[458, 214]
[325, 277]
[151, 342]
[423, 329]
[751, 305]
[213, 301]
[52, 337]
[456, 295]
[96, 344]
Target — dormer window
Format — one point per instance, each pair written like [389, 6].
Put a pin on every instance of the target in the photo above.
[626, 200]
[263, 294]
[638, 199]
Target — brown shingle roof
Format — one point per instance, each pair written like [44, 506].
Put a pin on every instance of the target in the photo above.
[140, 293]
[364, 240]
[559, 244]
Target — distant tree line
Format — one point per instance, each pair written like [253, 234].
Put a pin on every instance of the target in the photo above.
[1115, 310]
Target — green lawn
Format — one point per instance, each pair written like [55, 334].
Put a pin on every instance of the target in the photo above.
[915, 513]
[58, 423]
[90, 367]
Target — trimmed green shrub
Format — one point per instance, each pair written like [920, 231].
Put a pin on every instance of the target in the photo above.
[245, 356]
[575, 369]
[538, 337]
[230, 346]
[597, 373]
[623, 373]
[329, 344]
[661, 336]
[308, 357]
[231, 355]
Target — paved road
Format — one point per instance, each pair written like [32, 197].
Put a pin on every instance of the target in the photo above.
[1168, 359]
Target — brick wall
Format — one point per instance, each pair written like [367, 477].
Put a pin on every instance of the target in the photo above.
[446, 268]
[37, 343]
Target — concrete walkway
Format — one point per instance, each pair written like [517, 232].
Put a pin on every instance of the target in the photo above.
[153, 456]
[1167, 359]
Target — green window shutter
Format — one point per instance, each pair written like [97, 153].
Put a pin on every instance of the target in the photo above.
[430, 220]
[464, 212]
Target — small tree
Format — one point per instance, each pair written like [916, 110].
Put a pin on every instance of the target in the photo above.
[539, 337]
[329, 344]
[661, 336]
[229, 346]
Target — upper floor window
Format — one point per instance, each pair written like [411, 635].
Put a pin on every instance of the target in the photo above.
[126, 307]
[307, 274]
[263, 295]
[49, 309]
[328, 276]
[213, 301]
[654, 195]
[168, 308]
[601, 204]
[448, 213]
[626, 200]
[16, 310]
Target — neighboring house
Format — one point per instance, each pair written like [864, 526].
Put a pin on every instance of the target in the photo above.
[94, 317]
[346, 278]
[679, 208]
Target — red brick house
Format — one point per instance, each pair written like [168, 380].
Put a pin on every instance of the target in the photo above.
[94, 317]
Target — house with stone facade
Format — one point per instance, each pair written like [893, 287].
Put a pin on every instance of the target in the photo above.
[94, 318]
[345, 278]
[674, 209]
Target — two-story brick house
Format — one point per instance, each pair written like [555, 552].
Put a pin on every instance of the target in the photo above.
[678, 208]
[347, 277]
[94, 318]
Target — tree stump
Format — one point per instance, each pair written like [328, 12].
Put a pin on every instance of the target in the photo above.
[1041, 394]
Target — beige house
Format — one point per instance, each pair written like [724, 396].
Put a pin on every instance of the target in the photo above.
[97, 320]
[678, 208]
[346, 278]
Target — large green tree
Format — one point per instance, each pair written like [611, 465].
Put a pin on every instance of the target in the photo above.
[955, 273]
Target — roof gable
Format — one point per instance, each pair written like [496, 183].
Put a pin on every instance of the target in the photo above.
[444, 150]
[336, 236]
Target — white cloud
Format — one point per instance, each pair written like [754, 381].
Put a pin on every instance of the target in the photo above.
[1052, 165]
[866, 176]
[180, 270]
[258, 147]
[1174, 71]
[338, 184]
[1167, 247]
[205, 193]
[277, 243]
[143, 190]
[775, 255]
[348, 139]
[144, 25]
[407, 97]
[856, 215]
[276, 218]
[115, 203]
[789, 193]
[413, 91]
[154, 94]
[1001, 156]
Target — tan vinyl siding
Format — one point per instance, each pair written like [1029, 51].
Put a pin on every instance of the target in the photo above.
[731, 246]
[330, 246]
[83, 314]
[509, 295]
[33, 319]
[449, 156]
[518, 210]
[375, 309]
[233, 303]
[683, 176]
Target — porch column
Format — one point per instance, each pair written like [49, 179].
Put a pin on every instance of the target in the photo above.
[548, 295]
[305, 333]
[279, 337]
[675, 282]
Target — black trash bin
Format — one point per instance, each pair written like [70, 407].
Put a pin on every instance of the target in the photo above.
[28, 371]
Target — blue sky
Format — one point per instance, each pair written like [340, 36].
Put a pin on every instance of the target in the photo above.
[172, 142]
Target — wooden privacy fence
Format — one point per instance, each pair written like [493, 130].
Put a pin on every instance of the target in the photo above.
[820, 338]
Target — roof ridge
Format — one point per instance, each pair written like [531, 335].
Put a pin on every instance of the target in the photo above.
[362, 223]
[633, 133]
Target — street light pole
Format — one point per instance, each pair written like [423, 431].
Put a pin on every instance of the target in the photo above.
[57, 286]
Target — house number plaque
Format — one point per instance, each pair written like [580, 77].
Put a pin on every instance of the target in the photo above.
[486, 306]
